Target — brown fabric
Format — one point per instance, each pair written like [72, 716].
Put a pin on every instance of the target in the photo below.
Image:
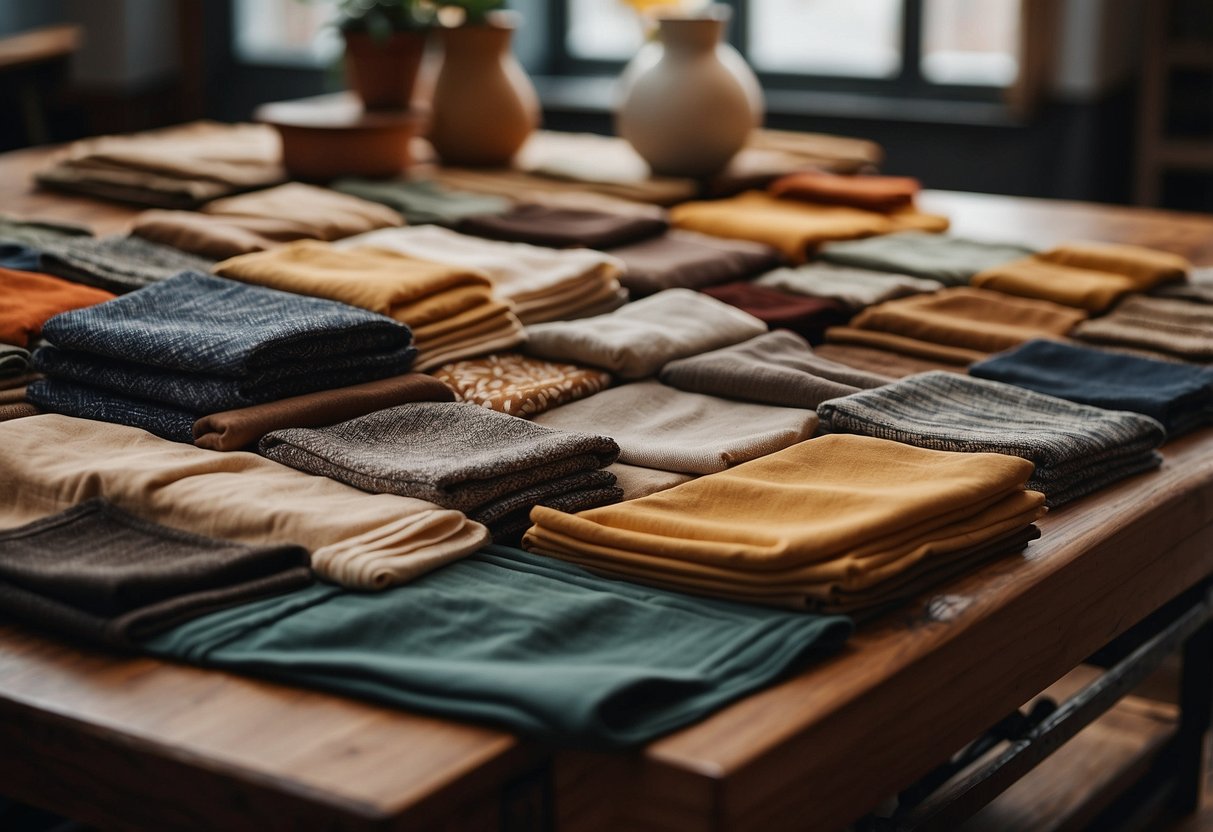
[803, 315]
[873, 193]
[17, 410]
[520, 385]
[926, 350]
[234, 430]
[1179, 328]
[18, 381]
[687, 260]
[319, 213]
[215, 237]
[12, 395]
[1146, 267]
[560, 227]
[875, 360]
[29, 299]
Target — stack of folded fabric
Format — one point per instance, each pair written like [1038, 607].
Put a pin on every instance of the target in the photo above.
[519, 385]
[777, 368]
[1180, 396]
[835, 523]
[1091, 276]
[562, 227]
[489, 465]
[28, 300]
[639, 339]
[21, 241]
[667, 429]
[453, 311]
[116, 264]
[178, 167]
[14, 362]
[361, 541]
[686, 260]
[853, 288]
[806, 316]
[795, 228]
[872, 193]
[13, 404]
[421, 201]
[957, 325]
[195, 344]
[1076, 448]
[881, 361]
[950, 260]
[1198, 288]
[264, 219]
[1168, 327]
[541, 284]
[97, 573]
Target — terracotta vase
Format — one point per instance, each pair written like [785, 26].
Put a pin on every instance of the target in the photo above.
[383, 71]
[484, 105]
[688, 100]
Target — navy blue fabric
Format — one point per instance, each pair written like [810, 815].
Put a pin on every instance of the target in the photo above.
[18, 256]
[87, 402]
[1178, 395]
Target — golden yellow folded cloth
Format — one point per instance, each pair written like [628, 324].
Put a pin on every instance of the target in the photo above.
[1146, 267]
[795, 228]
[815, 525]
[957, 325]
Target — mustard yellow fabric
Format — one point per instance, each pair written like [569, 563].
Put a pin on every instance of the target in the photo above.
[1032, 277]
[1146, 267]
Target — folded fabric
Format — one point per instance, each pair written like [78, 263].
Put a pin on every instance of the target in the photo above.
[97, 573]
[838, 514]
[853, 288]
[795, 228]
[29, 299]
[14, 360]
[500, 638]
[1180, 396]
[880, 361]
[805, 316]
[640, 338]
[116, 264]
[358, 540]
[776, 368]
[950, 260]
[214, 237]
[233, 430]
[1146, 267]
[1169, 326]
[21, 240]
[1077, 449]
[422, 201]
[540, 283]
[637, 481]
[874, 193]
[320, 213]
[17, 410]
[520, 184]
[1198, 287]
[590, 201]
[661, 427]
[1035, 277]
[685, 259]
[457, 455]
[518, 385]
[560, 227]
[87, 401]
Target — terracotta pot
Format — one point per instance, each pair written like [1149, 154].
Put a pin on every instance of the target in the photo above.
[484, 105]
[383, 71]
[689, 101]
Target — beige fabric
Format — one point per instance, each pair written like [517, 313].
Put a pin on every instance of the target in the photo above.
[637, 481]
[318, 213]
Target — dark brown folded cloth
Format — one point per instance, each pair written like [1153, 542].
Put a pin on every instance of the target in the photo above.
[17, 410]
[885, 362]
[804, 315]
[233, 430]
[559, 227]
[690, 260]
[100, 574]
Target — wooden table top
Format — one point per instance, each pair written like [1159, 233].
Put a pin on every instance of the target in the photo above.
[87, 732]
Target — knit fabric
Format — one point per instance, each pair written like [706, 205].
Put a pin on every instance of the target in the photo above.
[638, 339]
[116, 264]
[97, 573]
[560, 227]
[421, 201]
[950, 260]
[518, 385]
[777, 368]
[17, 410]
[661, 427]
[1076, 449]
[83, 400]
[807, 317]
[1180, 396]
[14, 360]
[1172, 326]
[880, 361]
[685, 259]
[874, 193]
[853, 288]
[359, 540]
[28, 300]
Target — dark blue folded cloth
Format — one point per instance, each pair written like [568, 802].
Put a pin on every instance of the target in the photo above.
[1178, 395]
[199, 323]
[19, 256]
[87, 402]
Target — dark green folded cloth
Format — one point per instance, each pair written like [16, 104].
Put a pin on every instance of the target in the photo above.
[97, 573]
[520, 641]
[950, 260]
[421, 201]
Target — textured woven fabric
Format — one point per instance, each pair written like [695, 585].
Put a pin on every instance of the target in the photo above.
[950, 260]
[1198, 288]
[83, 400]
[639, 339]
[687, 260]
[1172, 326]
[854, 288]
[14, 360]
[21, 240]
[359, 540]
[116, 264]
[881, 362]
[502, 638]
[319, 213]
[421, 201]
[1036, 277]
[795, 228]
[777, 368]
[29, 299]
[98, 573]
[1077, 449]
[874, 193]
[637, 481]
[661, 427]
[799, 527]
[518, 385]
[1180, 396]
[560, 227]
[807, 317]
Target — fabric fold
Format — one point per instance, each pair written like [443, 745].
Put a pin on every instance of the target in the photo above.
[519, 385]
[873, 193]
[806, 316]
[686, 260]
[1166, 326]
[947, 259]
[558, 226]
[28, 300]
[853, 288]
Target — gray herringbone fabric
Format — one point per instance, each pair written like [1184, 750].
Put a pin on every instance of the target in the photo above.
[950, 260]
[1076, 449]
[117, 264]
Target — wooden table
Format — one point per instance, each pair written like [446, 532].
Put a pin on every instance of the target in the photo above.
[140, 743]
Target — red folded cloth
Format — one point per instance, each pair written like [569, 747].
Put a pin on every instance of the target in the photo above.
[804, 315]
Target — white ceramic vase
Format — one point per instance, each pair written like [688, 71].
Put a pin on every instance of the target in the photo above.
[688, 101]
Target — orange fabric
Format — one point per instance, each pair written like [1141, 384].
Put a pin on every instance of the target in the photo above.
[874, 193]
[28, 300]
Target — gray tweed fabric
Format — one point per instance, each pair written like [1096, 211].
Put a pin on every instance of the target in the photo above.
[21, 241]
[14, 360]
[118, 264]
[1077, 449]
[950, 260]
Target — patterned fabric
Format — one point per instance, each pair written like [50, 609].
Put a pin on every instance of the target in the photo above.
[518, 385]
[117, 264]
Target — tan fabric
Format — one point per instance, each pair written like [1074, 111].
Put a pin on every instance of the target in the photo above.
[359, 540]
[318, 213]
[1146, 267]
[519, 385]
[1035, 277]
[914, 347]
[212, 237]
[637, 481]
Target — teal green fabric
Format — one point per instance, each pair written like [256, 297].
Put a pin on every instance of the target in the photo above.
[517, 640]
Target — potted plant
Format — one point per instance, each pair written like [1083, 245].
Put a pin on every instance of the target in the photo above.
[384, 43]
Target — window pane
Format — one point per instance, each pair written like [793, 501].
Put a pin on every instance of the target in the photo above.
[603, 30]
[285, 31]
[971, 42]
[852, 38]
